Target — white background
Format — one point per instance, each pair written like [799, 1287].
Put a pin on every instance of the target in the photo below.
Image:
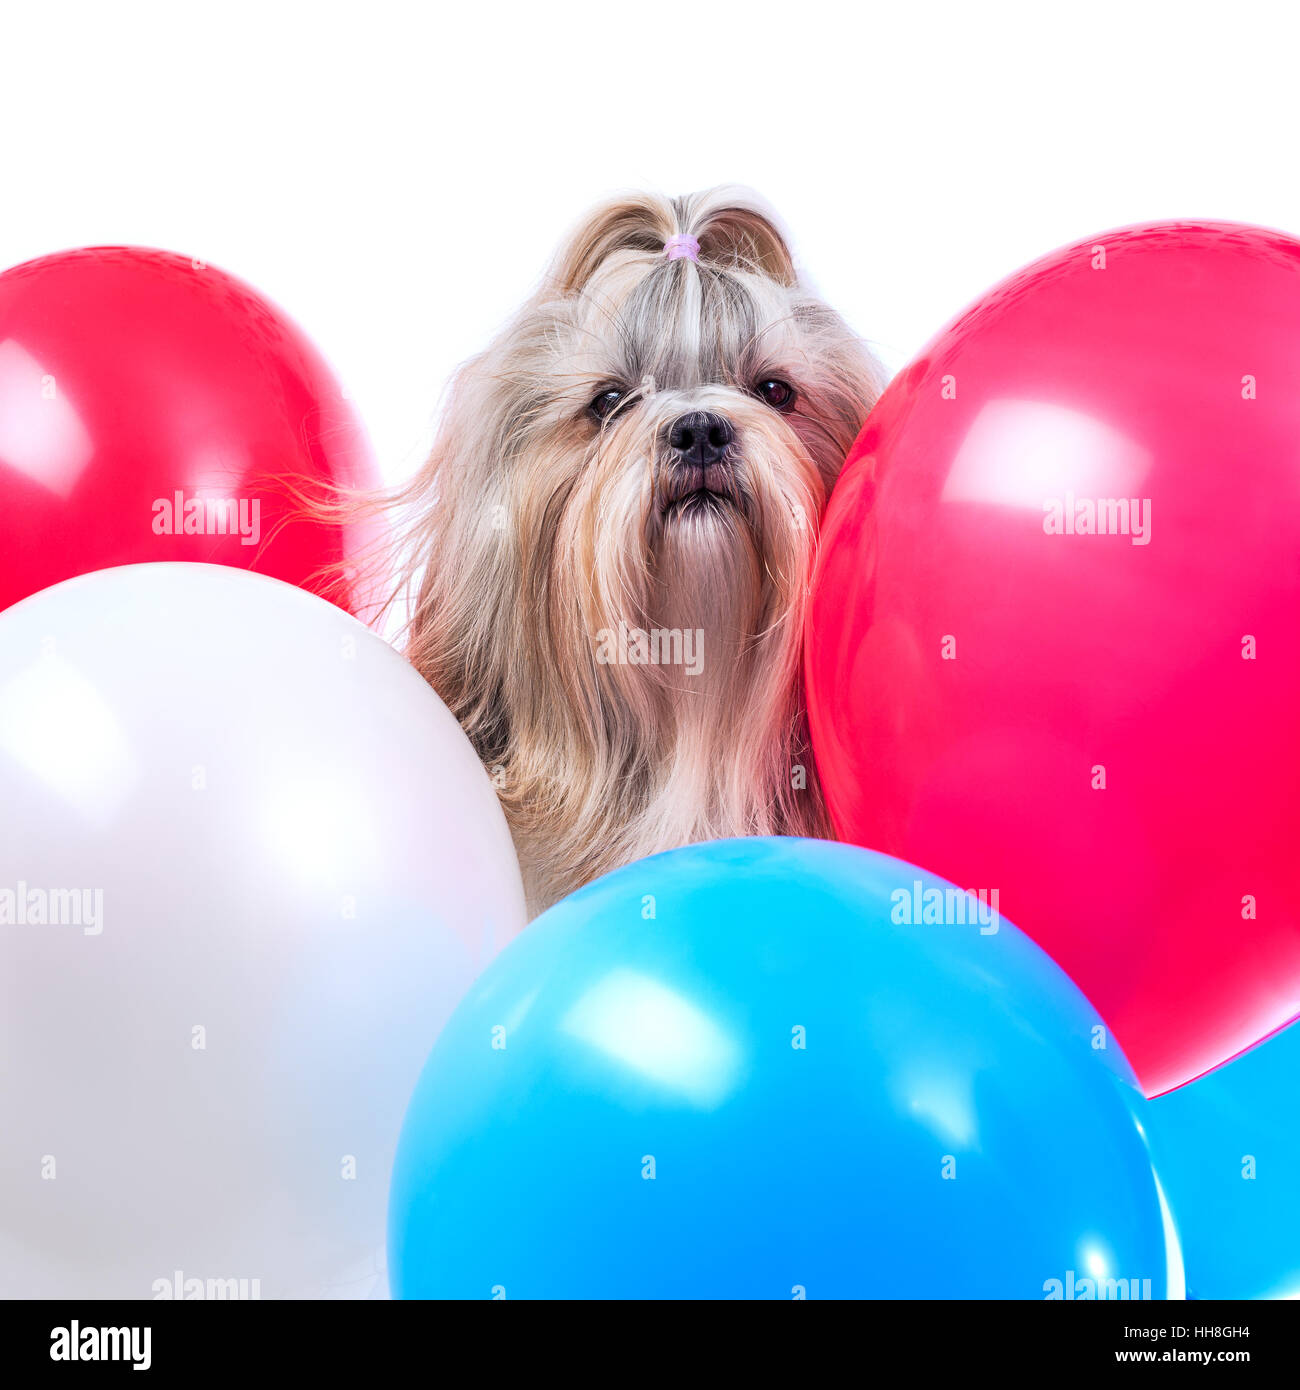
[396, 175]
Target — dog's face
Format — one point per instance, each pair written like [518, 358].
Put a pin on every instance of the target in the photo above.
[648, 446]
[675, 429]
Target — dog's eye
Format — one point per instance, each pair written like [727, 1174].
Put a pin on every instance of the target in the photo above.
[606, 403]
[780, 395]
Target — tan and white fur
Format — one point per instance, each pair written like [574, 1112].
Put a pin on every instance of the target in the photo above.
[555, 510]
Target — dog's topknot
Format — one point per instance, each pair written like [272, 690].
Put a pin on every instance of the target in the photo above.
[734, 229]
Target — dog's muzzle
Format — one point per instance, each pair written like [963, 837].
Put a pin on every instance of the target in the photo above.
[697, 467]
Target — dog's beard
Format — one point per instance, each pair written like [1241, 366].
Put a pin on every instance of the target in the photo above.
[630, 757]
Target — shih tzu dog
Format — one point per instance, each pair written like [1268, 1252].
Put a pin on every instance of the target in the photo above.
[612, 540]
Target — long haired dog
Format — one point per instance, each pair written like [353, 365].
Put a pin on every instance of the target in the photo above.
[612, 538]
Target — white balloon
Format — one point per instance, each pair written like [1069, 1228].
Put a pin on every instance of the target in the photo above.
[248, 865]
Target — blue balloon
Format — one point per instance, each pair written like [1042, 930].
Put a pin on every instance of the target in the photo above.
[1227, 1148]
[742, 1070]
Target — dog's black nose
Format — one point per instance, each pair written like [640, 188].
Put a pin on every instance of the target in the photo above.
[700, 438]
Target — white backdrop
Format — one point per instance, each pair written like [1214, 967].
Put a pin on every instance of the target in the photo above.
[396, 175]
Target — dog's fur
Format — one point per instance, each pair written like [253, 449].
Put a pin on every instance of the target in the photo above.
[539, 528]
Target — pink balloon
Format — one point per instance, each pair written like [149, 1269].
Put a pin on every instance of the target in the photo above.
[155, 408]
[1055, 639]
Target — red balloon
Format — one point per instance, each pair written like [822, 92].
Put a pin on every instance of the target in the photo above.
[153, 408]
[1055, 635]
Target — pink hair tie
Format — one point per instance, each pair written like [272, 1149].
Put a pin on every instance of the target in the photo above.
[681, 247]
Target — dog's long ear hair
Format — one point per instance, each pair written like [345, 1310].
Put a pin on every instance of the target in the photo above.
[521, 543]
